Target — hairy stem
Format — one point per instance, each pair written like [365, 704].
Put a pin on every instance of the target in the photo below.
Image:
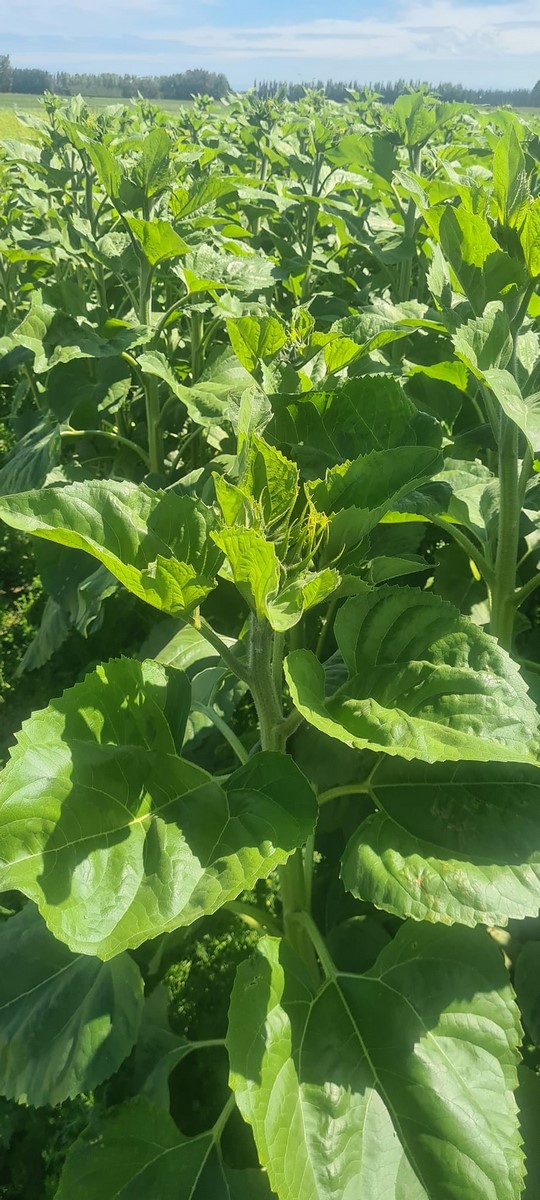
[292, 877]
[405, 277]
[197, 341]
[503, 604]
[311, 224]
[151, 396]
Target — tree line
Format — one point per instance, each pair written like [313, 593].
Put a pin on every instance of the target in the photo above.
[35, 81]
[389, 91]
[180, 86]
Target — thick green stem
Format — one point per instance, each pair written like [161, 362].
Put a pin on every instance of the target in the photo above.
[89, 195]
[319, 944]
[292, 877]
[503, 589]
[405, 277]
[151, 395]
[504, 583]
[234, 664]
[311, 224]
[197, 340]
[109, 435]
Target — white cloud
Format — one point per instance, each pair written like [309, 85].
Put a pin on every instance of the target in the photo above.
[418, 32]
[479, 44]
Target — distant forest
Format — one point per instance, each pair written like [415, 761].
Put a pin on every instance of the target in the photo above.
[337, 90]
[180, 86]
[35, 81]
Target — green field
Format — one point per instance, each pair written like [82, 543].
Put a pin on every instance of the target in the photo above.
[12, 103]
[270, 635]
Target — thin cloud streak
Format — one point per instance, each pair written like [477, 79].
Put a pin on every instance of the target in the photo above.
[417, 32]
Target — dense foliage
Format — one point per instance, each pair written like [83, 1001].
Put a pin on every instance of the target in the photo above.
[272, 375]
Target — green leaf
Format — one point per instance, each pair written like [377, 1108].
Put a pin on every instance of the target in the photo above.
[357, 494]
[76, 594]
[32, 457]
[272, 481]
[106, 166]
[523, 410]
[206, 269]
[370, 151]
[449, 843]
[207, 403]
[115, 837]
[66, 1021]
[530, 238]
[256, 340]
[253, 566]
[374, 482]
[415, 117]
[157, 239]
[155, 543]
[251, 563]
[305, 592]
[485, 341]
[158, 1050]
[424, 683]
[134, 1151]
[510, 179]
[201, 195]
[154, 165]
[468, 482]
[360, 415]
[528, 1098]
[394, 1085]
[482, 269]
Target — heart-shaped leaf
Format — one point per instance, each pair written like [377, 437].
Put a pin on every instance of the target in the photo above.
[424, 683]
[394, 1085]
[450, 843]
[67, 1021]
[114, 836]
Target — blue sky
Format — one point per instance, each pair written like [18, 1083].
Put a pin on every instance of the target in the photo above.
[477, 42]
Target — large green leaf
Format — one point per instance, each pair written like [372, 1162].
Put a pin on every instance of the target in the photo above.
[356, 495]
[155, 543]
[255, 341]
[484, 271]
[157, 239]
[523, 410]
[207, 404]
[424, 682]
[485, 341]
[415, 117]
[154, 162]
[394, 1085]
[114, 836]
[450, 843]
[135, 1152]
[530, 238]
[48, 337]
[510, 179]
[468, 482]
[374, 482]
[66, 1021]
[360, 415]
